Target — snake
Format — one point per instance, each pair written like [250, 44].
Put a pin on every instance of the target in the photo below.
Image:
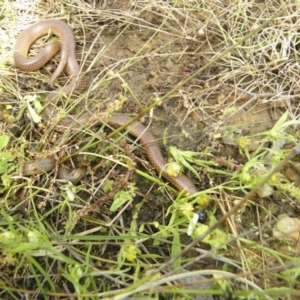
[68, 62]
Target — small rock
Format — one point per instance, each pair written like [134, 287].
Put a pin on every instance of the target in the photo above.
[264, 191]
[287, 229]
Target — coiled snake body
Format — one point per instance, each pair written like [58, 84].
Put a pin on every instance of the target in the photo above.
[66, 45]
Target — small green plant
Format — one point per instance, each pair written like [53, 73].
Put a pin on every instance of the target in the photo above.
[5, 157]
[186, 158]
[122, 197]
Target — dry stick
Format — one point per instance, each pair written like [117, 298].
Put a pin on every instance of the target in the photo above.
[251, 100]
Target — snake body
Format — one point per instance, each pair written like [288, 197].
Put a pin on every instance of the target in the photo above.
[66, 45]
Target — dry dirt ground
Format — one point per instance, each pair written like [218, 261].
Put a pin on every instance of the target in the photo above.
[151, 55]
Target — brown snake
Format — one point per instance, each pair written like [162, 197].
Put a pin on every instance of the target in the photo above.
[66, 45]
